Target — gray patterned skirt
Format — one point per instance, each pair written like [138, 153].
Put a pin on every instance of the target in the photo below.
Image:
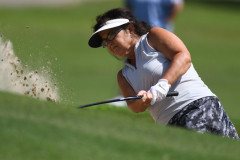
[205, 115]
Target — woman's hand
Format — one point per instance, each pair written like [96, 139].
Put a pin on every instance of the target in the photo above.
[136, 106]
[159, 91]
[142, 104]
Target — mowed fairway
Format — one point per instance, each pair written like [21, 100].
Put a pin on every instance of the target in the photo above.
[40, 130]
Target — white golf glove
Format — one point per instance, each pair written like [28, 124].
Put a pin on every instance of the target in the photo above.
[160, 90]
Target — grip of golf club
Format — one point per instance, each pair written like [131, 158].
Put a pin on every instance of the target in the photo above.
[170, 94]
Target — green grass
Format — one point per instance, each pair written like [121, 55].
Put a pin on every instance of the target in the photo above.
[62, 33]
[33, 129]
[212, 36]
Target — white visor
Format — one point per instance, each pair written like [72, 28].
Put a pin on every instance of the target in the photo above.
[95, 40]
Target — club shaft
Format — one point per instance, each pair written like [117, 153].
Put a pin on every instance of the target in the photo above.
[170, 94]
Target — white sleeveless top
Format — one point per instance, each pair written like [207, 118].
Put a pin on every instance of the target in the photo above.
[150, 67]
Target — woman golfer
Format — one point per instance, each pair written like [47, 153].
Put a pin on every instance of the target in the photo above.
[157, 62]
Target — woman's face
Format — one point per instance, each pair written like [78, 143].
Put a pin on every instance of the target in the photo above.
[119, 41]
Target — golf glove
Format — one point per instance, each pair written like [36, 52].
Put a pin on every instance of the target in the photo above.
[160, 90]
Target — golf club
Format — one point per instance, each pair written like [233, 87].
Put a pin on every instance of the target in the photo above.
[170, 94]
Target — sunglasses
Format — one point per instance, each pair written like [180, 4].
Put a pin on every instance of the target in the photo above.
[111, 36]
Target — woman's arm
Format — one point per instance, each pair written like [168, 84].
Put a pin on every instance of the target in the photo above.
[127, 91]
[173, 49]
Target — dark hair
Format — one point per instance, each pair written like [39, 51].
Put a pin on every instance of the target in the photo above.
[141, 27]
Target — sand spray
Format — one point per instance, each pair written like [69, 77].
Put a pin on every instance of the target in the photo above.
[18, 78]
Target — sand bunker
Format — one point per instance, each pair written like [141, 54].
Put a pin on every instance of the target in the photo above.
[16, 78]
